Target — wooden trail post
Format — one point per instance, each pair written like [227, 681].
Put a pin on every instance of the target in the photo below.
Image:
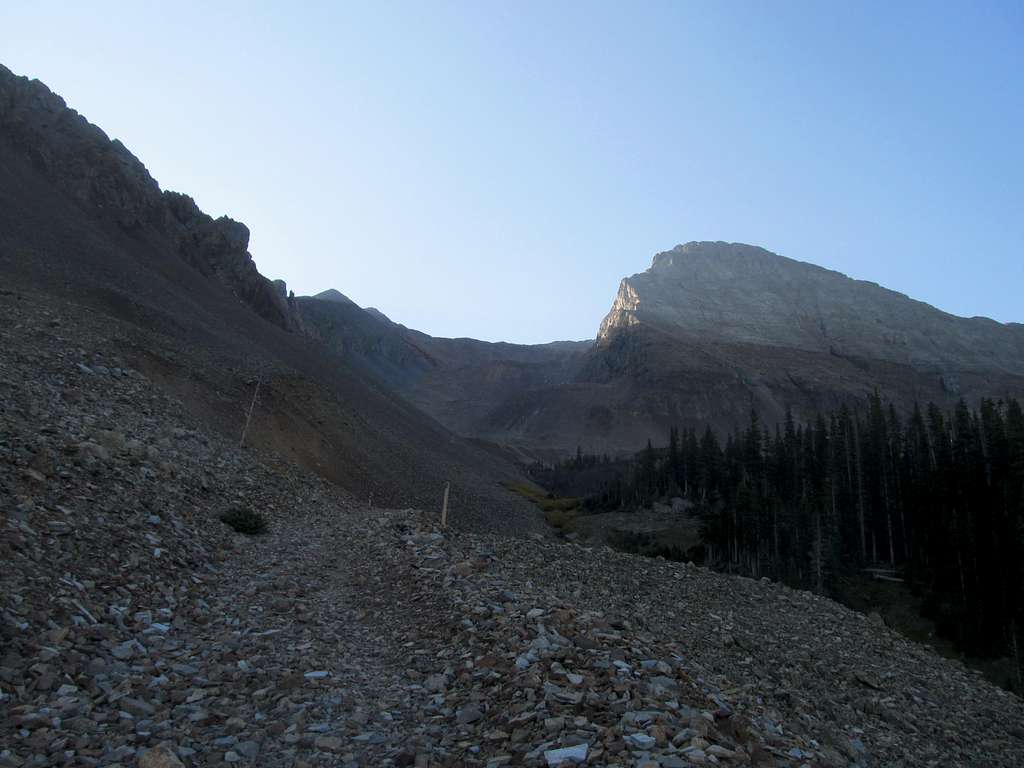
[248, 416]
[444, 506]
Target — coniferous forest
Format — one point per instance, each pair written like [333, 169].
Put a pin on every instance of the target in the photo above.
[936, 497]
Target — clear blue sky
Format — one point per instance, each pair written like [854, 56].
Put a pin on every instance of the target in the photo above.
[493, 170]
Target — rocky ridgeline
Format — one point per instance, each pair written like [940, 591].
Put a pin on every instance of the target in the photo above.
[137, 629]
[114, 186]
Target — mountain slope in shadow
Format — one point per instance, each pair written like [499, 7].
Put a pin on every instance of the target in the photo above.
[175, 293]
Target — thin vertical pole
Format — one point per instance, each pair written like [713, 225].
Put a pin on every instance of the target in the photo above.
[444, 506]
[248, 416]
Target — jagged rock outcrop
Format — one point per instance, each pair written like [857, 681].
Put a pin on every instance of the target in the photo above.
[623, 311]
[101, 175]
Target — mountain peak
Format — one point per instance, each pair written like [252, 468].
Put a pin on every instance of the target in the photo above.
[332, 294]
[743, 294]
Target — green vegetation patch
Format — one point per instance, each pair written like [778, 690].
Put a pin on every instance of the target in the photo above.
[559, 512]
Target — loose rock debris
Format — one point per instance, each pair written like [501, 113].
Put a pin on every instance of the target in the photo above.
[137, 629]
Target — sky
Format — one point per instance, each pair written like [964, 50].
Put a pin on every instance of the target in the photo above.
[494, 169]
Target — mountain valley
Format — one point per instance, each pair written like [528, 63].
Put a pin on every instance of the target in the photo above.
[709, 332]
[222, 531]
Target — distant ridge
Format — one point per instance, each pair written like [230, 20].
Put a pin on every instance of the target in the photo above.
[708, 332]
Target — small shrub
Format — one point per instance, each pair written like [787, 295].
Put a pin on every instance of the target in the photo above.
[244, 520]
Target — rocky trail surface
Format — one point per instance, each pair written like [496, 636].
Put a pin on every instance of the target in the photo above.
[137, 629]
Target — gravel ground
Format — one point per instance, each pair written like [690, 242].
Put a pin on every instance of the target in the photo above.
[137, 629]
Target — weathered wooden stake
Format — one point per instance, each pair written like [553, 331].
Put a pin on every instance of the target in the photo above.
[444, 506]
[248, 417]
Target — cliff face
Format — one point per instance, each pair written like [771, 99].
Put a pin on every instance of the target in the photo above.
[623, 313]
[107, 180]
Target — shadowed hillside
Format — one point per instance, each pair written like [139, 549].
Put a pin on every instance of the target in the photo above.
[83, 226]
